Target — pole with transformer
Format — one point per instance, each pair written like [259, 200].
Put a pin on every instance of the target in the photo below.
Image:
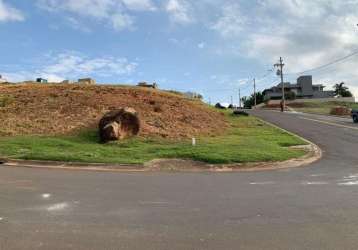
[280, 72]
[240, 97]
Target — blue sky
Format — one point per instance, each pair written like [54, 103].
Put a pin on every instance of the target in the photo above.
[213, 47]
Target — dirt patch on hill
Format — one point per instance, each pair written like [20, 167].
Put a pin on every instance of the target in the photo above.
[50, 109]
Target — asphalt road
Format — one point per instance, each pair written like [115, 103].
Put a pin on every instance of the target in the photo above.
[314, 207]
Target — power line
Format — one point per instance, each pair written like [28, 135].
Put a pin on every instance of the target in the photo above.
[329, 64]
[324, 65]
[266, 75]
[262, 84]
[248, 83]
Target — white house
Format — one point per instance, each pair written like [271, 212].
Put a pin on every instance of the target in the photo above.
[2, 79]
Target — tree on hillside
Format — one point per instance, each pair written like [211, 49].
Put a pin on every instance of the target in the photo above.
[341, 90]
[194, 95]
[250, 101]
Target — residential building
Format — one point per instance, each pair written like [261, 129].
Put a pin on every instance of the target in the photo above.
[41, 80]
[87, 81]
[2, 79]
[303, 89]
[147, 85]
[193, 95]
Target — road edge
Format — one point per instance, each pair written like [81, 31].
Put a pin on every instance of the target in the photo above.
[174, 165]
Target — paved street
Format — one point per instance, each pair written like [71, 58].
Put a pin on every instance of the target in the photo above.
[314, 207]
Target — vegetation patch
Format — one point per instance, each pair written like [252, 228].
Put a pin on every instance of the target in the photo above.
[5, 101]
[248, 139]
[324, 108]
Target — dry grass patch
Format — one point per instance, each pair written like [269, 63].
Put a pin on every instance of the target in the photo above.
[62, 109]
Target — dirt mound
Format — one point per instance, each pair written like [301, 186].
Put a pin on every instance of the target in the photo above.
[341, 111]
[48, 109]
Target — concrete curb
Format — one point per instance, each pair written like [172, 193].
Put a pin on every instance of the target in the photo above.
[175, 165]
[71, 165]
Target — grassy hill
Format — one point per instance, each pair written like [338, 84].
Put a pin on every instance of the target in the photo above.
[62, 109]
[59, 122]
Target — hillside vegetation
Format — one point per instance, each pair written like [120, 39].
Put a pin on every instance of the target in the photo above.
[59, 122]
[247, 140]
[64, 109]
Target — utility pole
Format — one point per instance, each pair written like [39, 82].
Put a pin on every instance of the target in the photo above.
[255, 91]
[232, 101]
[280, 72]
[240, 97]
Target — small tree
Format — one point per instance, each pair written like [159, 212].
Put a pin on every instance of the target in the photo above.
[341, 90]
[249, 102]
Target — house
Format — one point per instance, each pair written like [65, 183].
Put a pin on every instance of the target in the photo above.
[146, 85]
[41, 80]
[193, 95]
[303, 89]
[2, 79]
[221, 105]
[87, 81]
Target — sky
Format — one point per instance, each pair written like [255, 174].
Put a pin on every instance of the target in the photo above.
[214, 47]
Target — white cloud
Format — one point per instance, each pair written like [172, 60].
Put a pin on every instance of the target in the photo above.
[231, 21]
[8, 13]
[305, 33]
[179, 42]
[179, 11]
[18, 76]
[93, 8]
[122, 21]
[72, 65]
[113, 12]
[139, 5]
[201, 45]
[75, 24]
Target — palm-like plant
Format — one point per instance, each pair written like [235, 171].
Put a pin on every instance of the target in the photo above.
[341, 90]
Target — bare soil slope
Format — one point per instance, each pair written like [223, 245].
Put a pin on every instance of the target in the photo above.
[50, 109]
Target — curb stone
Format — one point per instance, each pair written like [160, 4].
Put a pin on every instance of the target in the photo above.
[314, 153]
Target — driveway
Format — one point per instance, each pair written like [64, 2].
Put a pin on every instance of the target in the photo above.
[314, 207]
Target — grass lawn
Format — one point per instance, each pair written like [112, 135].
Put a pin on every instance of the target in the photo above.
[248, 140]
[323, 108]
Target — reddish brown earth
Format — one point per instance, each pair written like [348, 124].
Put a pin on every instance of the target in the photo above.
[53, 109]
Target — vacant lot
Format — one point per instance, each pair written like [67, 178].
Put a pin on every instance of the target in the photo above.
[322, 108]
[247, 140]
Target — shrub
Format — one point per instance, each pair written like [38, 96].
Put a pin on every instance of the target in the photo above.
[290, 95]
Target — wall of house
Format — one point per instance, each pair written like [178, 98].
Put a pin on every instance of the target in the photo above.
[323, 94]
[272, 95]
[305, 82]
